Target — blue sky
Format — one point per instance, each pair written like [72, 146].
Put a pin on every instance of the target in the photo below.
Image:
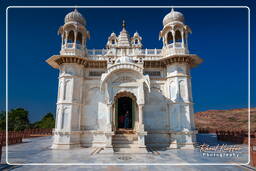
[219, 36]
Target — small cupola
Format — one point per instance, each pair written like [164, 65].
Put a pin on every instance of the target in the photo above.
[136, 40]
[112, 41]
[174, 34]
[74, 34]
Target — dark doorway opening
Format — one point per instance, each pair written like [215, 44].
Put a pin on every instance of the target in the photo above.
[125, 112]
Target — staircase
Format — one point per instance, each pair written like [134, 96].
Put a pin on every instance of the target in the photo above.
[124, 141]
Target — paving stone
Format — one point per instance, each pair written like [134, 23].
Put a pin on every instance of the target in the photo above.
[37, 150]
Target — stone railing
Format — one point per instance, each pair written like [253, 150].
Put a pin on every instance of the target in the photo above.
[72, 49]
[129, 52]
[102, 54]
[15, 137]
[154, 52]
[96, 52]
[77, 52]
[174, 51]
[72, 46]
[175, 45]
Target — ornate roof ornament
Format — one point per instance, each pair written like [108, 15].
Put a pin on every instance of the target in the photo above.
[136, 34]
[123, 24]
[173, 16]
[124, 38]
[75, 16]
[112, 34]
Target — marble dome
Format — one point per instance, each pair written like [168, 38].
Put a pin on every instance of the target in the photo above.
[113, 34]
[75, 16]
[136, 34]
[172, 17]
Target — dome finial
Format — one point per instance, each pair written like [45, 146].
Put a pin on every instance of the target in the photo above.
[123, 24]
[173, 16]
[75, 16]
[75, 9]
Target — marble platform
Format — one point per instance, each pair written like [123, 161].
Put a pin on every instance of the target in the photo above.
[37, 150]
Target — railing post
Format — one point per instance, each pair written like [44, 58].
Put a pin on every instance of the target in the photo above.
[1, 151]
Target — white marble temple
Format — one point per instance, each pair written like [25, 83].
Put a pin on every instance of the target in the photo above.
[97, 87]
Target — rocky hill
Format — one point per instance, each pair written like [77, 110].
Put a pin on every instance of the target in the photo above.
[226, 119]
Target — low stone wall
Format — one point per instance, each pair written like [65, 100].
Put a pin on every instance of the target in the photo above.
[15, 137]
[238, 137]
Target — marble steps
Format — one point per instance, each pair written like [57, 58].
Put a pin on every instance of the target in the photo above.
[124, 139]
[124, 131]
[125, 142]
[125, 145]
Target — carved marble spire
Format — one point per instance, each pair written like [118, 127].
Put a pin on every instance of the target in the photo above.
[124, 38]
[123, 24]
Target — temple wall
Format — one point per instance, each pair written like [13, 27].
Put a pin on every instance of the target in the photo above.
[156, 119]
[94, 109]
[93, 115]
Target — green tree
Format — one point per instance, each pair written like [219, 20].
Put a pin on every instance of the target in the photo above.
[2, 120]
[18, 119]
[47, 121]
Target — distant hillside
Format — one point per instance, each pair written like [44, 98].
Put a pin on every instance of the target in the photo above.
[226, 119]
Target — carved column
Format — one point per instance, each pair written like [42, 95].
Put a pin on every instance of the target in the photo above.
[181, 106]
[83, 41]
[136, 125]
[141, 133]
[74, 43]
[67, 132]
[62, 37]
[109, 132]
[183, 40]
[186, 38]
[173, 36]
[109, 118]
[141, 116]
[66, 39]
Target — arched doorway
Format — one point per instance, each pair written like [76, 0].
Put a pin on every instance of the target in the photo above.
[125, 109]
[124, 113]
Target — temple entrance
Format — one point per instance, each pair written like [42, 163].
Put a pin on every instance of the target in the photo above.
[126, 123]
[124, 113]
[125, 108]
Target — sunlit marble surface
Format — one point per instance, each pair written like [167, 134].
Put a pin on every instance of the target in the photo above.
[37, 150]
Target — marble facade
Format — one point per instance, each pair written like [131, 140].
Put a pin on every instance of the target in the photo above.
[92, 82]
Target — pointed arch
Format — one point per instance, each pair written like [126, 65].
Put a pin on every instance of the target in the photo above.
[170, 38]
[79, 38]
[178, 37]
[71, 36]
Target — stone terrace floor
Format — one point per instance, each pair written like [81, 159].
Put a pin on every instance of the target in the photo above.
[37, 150]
